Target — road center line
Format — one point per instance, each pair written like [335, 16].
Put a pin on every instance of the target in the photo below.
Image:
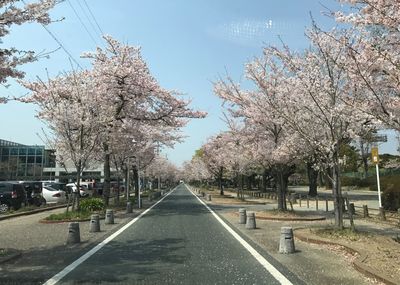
[56, 278]
[268, 266]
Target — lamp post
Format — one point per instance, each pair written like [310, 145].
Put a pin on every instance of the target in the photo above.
[138, 170]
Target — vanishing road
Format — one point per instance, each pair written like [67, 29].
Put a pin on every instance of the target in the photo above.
[179, 241]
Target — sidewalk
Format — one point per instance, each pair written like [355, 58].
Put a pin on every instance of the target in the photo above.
[315, 264]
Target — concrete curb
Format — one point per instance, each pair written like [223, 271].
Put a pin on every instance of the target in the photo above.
[358, 263]
[306, 219]
[10, 255]
[27, 213]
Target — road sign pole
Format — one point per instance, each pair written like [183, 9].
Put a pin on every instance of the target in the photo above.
[379, 185]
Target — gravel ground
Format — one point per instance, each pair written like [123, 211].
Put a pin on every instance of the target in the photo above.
[26, 233]
[313, 264]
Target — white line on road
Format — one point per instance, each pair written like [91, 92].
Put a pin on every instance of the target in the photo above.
[56, 278]
[268, 266]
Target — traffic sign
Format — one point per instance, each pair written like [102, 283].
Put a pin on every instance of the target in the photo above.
[375, 155]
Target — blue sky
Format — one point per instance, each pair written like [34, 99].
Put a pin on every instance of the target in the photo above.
[187, 44]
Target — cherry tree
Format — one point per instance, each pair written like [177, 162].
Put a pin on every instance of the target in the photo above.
[130, 93]
[195, 170]
[321, 102]
[15, 12]
[66, 106]
[372, 58]
[259, 110]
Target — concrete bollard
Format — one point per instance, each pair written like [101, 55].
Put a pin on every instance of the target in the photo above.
[208, 197]
[109, 217]
[382, 213]
[286, 243]
[162, 193]
[242, 216]
[365, 211]
[251, 221]
[74, 235]
[94, 223]
[128, 207]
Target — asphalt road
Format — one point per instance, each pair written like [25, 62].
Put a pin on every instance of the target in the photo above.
[177, 242]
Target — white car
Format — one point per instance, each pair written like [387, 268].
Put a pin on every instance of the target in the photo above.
[52, 195]
[83, 190]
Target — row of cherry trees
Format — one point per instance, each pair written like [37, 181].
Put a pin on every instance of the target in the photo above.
[116, 112]
[307, 105]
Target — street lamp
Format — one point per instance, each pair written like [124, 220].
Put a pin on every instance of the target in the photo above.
[138, 170]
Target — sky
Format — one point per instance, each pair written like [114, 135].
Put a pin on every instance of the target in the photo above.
[187, 44]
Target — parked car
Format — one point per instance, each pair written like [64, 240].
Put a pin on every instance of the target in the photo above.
[52, 195]
[72, 187]
[33, 190]
[12, 195]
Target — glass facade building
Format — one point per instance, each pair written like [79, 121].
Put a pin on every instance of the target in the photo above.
[23, 162]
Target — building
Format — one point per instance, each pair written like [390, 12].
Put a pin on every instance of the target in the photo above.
[24, 162]
[35, 162]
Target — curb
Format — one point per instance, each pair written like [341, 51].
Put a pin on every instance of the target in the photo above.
[27, 213]
[358, 263]
[305, 219]
[10, 255]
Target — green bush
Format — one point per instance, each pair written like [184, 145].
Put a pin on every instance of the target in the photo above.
[391, 197]
[92, 204]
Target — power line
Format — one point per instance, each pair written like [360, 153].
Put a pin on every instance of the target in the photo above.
[83, 24]
[94, 18]
[62, 46]
[88, 18]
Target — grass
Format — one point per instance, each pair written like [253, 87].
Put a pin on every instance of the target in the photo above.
[332, 233]
[70, 216]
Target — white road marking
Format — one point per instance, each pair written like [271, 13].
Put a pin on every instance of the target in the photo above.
[56, 278]
[268, 266]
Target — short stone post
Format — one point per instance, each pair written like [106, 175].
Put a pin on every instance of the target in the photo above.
[382, 213]
[128, 207]
[365, 211]
[109, 217]
[242, 216]
[286, 243]
[94, 223]
[162, 193]
[251, 221]
[74, 235]
[208, 197]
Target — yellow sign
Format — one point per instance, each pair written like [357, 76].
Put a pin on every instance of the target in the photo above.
[375, 155]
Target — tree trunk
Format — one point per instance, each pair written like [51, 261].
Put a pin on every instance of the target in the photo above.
[221, 188]
[107, 174]
[337, 193]
[264, 180]
[136, 181]
[312, 179]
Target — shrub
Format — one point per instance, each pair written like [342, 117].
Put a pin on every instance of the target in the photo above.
[92, 204]
[391, 197]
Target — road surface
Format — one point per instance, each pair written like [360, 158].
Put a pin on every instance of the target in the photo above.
[177, 242]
